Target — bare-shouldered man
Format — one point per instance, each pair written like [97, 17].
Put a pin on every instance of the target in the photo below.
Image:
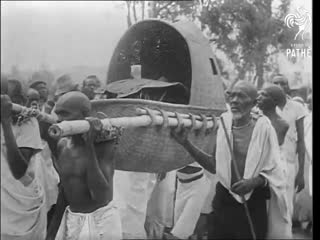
[271, 97]
[86, 171]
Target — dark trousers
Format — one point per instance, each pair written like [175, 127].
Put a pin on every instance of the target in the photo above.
[50, 215]
[229, 220]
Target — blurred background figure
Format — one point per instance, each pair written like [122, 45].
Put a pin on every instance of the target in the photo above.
[294, 145]
[299, 100]
[41, 88]
[303, 207]
[33, 99]
[15, 92]
[64, 84]
[90, 85]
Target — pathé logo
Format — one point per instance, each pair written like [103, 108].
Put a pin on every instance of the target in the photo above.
[302, 19]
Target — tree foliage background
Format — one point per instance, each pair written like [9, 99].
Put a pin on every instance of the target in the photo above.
[248, 32]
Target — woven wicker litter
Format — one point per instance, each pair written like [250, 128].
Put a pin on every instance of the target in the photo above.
[180, 53]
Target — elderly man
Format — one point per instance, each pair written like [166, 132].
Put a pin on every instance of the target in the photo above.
[90, 85]
[23, 214]
[257, 156]
[294, 144]
[85, 164]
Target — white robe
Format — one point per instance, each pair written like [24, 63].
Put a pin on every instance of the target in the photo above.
[103, 224]
[23, 215]
[132, 193]
[48, 176]
[263, 158]
[190, 199]
[291, 112]
[303, 200]
[160, 208]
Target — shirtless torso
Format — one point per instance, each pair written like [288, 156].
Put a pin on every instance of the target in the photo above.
[85, 163]
[74, 162]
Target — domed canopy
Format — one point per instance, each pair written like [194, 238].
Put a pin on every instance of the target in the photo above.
[179, 52]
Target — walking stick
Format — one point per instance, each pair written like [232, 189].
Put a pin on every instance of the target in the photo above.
[239, 178]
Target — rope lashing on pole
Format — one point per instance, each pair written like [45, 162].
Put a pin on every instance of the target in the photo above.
[145, 118]
[31, 112]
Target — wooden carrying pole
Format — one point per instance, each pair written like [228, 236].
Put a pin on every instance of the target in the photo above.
[67, 128]
[238, 178]
[41, 116]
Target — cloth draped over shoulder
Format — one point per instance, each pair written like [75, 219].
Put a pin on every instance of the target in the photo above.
[263, 158]
[47, 175]
[22, 201]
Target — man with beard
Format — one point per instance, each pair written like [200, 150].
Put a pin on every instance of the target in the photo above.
[257, 156]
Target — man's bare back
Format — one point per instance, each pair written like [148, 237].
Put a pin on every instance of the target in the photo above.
[72, 162]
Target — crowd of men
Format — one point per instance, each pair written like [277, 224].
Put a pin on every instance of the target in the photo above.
[255, 184]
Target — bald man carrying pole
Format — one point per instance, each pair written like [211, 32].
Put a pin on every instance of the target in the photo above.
[257, 157]
[86, 169]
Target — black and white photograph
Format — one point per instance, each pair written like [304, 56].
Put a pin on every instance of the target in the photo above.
[165, 120]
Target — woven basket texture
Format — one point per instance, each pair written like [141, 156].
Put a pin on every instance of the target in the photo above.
[180, 53]
[152, 149]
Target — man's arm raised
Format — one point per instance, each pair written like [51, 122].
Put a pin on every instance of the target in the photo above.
[207, 161]
[96, 180]
[17, 162]
[52, 143]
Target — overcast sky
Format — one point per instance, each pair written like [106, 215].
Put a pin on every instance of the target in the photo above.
[64, 34]
[61, 34]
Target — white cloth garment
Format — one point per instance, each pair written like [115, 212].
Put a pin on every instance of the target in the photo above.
[291, 112]
[303, 200]
[23, 215]
[207, 206]
[160, 208]
[102, 224]
[133, 190]
[190, 198]
[48, 176]
[308, 142]
[263, 158]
